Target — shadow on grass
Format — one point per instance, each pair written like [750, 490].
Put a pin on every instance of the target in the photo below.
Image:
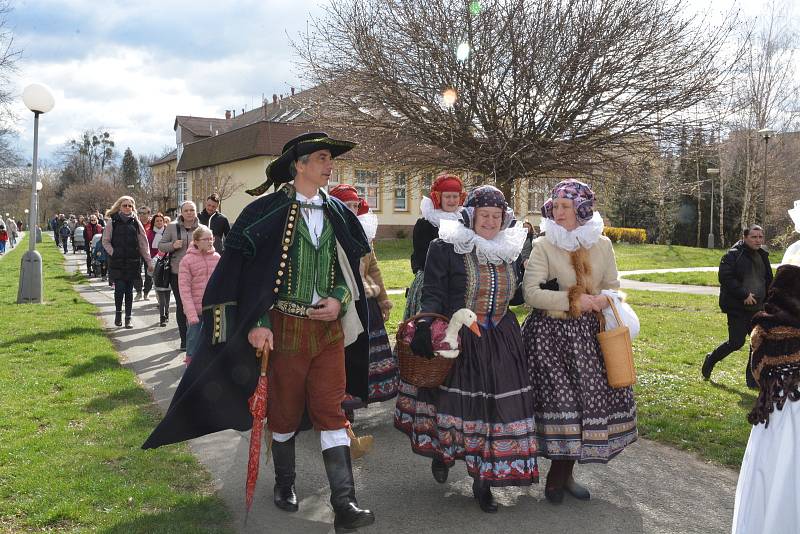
[95, 365]
[51, 335]
[747, 399]
[127, 397]
[207, 514]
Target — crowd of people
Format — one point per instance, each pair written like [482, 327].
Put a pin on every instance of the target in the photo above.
[296, 277]
[123, 245]
[9, 234]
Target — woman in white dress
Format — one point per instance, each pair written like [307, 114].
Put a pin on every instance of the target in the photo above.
[768, 492]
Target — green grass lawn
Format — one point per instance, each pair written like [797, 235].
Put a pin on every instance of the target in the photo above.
[72, 423]
[394, 258]
[692, 279]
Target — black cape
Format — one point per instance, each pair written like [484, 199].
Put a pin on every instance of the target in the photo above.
[214, 391]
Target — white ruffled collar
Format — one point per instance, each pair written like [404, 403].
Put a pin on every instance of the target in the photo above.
[433, 215]
[369, 222]
[504, 248]
[583, 236]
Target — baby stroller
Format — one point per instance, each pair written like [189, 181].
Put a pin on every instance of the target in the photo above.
[99, 257]
[78, 239]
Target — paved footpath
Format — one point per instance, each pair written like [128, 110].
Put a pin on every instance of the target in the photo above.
[649, 488]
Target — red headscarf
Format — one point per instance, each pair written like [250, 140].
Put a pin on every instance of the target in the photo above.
[446, 183]
[348, 193]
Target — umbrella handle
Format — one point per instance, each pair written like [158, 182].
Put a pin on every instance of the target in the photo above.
[263, 353]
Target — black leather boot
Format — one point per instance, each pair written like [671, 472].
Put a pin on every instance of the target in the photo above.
[573, 488]
[118, 318]
[439, 470]
[343, 492]
[128, 322]
[554, 487]
[483, 494]
[285, 497]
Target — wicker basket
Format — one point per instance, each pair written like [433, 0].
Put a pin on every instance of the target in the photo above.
[416, 370]
[617, 352]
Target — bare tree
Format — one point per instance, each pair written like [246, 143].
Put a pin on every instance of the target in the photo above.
[768, 95]
[511, 88]
[226, 186]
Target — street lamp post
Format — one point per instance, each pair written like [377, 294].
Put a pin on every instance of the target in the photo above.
[765, 133]
[38, 99]
[711, 174]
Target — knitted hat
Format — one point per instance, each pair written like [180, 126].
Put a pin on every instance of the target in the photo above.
[579, 193]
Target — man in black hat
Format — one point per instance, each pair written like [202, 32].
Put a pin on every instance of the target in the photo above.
[287, 280]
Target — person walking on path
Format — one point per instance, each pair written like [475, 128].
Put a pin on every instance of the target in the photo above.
[195, 271]
[211, 217]
[768, 492]
[745, 274]
[287, 281]
[64, 233]
[579, 417]
[382, 372]
[92, 229]
[154, 235]
[13, 231]
[176, 240]
[126, 244]
[483, 412]
[3, 238]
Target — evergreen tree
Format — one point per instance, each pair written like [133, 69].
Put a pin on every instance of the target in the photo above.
[130, 169]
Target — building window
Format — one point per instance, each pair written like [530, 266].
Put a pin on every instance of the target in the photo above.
[400, 191]
[182, 187]
[367, 184]
[334, 178]
[538, 193]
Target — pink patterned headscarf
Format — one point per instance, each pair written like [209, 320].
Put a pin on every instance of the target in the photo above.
[579, 193]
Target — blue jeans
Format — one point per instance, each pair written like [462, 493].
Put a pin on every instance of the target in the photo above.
[193, 336]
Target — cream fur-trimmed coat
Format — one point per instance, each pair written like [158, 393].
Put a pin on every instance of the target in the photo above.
[582, 271]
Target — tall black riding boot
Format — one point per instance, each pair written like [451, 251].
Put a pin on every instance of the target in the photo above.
[343, 491]
[283, 459]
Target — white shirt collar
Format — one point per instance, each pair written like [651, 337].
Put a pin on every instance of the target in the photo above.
[316, 199]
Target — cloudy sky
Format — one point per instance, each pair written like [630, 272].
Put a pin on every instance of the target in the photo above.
[131, 66]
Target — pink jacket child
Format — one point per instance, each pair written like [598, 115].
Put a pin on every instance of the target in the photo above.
[195, 270]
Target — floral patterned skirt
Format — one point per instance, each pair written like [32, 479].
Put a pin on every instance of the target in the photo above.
[482, 414]
[578, 415]
[382, 363]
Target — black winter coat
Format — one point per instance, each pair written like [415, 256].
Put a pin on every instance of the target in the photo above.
[126, 263]
[220, 227]
[733, 269]
[424, 233]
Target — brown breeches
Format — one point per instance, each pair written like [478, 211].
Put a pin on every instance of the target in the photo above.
[306, 369]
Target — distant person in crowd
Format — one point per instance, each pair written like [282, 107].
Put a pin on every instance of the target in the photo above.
[100, 220]
[768, 492]
[483, 412]
[528, 246]
[3, 238]
[13, 231]
[90, 230]
[54, 226]
[167, 219]
[64, 233]
[176, 239]
[382, 375]
[745, 274]
[126, 243]
[211, 217]
[195, 270]
[443, 201]
[579, 416]
[154, 235]
[144, 216]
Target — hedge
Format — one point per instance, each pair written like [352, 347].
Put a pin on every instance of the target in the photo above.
[625, 235]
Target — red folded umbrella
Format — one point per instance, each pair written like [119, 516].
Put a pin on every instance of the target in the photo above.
[258, 407]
